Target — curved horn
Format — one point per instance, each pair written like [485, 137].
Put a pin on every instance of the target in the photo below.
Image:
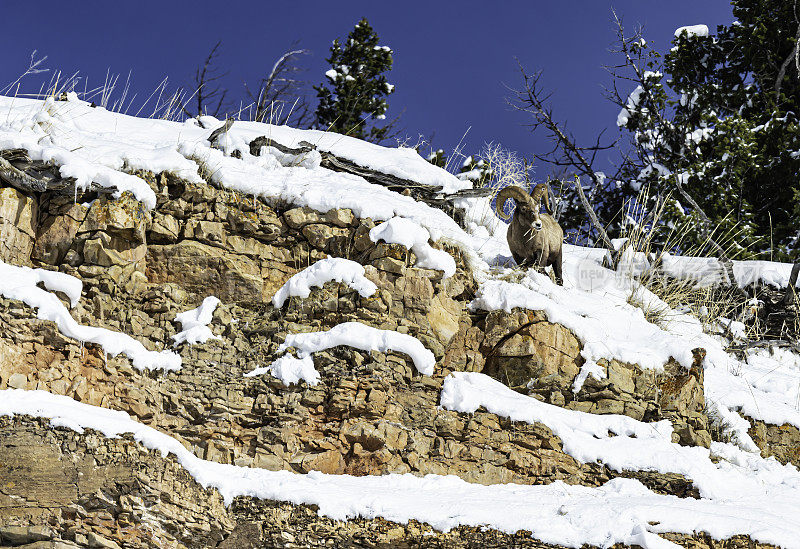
[515, 193]
[540, 191]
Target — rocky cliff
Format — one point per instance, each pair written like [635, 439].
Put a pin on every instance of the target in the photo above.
[372, 413]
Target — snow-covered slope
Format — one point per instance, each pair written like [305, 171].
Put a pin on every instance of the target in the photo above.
[621, 511]
[742, 493]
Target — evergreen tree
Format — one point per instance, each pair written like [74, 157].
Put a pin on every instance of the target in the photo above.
[357, 88]
[475, 169]
[723, 126]
[437, 158]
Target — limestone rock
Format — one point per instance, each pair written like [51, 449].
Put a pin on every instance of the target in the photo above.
[164, 229]
[534, 356]
[780, 441]
[372, 413]
[107, 250]
[25, 534]
[57, 233]
[125, 217]
[444, 317]
[204, 270]
[18, 223]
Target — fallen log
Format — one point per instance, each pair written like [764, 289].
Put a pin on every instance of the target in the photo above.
[18, 170]
[430, 194]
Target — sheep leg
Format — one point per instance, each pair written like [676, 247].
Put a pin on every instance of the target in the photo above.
[541, 262]
[518, 259]
[557, 268]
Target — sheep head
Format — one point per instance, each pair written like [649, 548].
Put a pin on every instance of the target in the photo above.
[539, 192]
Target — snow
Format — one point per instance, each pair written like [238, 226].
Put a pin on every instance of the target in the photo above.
[20, 283]
[624, 444]
[414, 237]
[366, 338]
[94, 145]
[290, 369]
[83, 143]
[618, 332]
[743, 493]
[591, 304]
[692, 30]
[632, 104]
[621, 511]
[401, 162]
[195, 323]
[594, 305]
[330, 269]
[707, 271]
[97, 146]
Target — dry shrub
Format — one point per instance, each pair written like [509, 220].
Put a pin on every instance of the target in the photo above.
[708, 301]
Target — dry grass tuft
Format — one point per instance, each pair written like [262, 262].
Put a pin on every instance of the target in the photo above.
[711, 303]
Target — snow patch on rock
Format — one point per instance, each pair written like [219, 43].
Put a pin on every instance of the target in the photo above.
[20, 283]
[621, 511]
[398, 230]
[290, 369]
[194, 323]
[331, 269]
[366, 338]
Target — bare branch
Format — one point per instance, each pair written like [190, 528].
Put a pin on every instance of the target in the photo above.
[276, 99]
[532, 100]
[209, 98]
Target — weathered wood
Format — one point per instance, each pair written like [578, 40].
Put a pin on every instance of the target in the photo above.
[430, 194]
[264, 141]
[20, 179]
[791, 287]
[765, 343]
[18, 170]
[213, 136]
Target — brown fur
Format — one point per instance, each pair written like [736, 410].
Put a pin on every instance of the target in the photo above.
[534, 238]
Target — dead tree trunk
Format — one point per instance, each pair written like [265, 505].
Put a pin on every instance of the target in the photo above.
[791, 288]
[29, 176]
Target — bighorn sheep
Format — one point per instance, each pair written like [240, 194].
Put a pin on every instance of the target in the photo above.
[534, 238]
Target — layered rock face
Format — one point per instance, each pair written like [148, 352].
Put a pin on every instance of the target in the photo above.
[85, 490]
[372, 413]
[532, 355]
[779, 441]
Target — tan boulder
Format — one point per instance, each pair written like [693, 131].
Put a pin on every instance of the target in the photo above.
[204, 270]
[57, 234]
[106, 250]
[165, 228]
[522, 348]
[125, 217]
[18, 221]
[781, 441]
[443, 316]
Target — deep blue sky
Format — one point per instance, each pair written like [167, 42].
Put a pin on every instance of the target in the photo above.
[452, 60]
